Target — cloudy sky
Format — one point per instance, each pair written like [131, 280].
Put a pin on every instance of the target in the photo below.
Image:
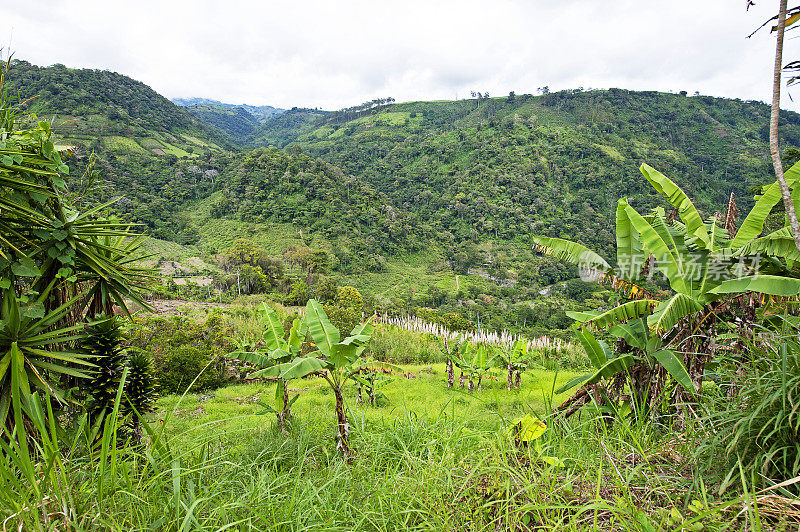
[336, 54]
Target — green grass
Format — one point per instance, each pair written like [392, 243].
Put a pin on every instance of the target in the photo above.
[425, 394]
[123, 144]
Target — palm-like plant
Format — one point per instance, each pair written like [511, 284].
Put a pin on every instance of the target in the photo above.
[514, 359]
[707, 268]
[54, 261]
[340, 358]
[29, 353]
[274, 356]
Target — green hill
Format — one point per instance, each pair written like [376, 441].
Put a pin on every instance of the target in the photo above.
[110, 113]
[423, 204]
[503, 168]
[237, 121]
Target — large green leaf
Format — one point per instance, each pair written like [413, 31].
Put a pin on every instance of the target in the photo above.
[672, 363]
[655, 245]
[669, 312]
[297, 334]
[582, 316]
[571, 252]
[252, 357]
[574, 381]
[297, 368]
[273, 333]
[608, 370]
[779, 244]
[622, 313]
[753, 224]
[322, 331]
[597, 350]
[633, 332]
[678, 199]
[629, 248]
[774, 285]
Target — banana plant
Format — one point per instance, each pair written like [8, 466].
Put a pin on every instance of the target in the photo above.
[514, 358]
[340, 358]
[372, 377]
[452, 349]
[273, 354]
[643, 354]
[475, 361]
[707, 264]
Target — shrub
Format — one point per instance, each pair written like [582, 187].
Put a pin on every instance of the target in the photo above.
[181, 348]
[177, 368]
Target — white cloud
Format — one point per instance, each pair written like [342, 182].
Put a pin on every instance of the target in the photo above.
[336, 54]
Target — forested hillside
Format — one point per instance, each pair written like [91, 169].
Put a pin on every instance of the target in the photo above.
[238, 121]
[406, 197]
[109, 112]
[555, 164]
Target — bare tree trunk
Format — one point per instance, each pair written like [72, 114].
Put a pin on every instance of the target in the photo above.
[450, 376]
[285, 412]
[774, 148]
[342, 426]
[461, 379]
[470, 385]
[358, 394]
[510, 376]
[480, 378]
[517, 378]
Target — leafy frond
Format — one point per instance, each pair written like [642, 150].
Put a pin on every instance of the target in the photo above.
[678, 199]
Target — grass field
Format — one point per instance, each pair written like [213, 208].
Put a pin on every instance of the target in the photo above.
[421, 393]
[427, 458]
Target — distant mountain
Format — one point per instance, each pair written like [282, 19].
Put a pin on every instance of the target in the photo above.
[261, 112]
[237, 121]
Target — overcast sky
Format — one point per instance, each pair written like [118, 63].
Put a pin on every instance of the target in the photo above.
[336, 54]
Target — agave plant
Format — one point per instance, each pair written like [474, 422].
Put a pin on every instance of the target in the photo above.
[708, 266]
[140, 391]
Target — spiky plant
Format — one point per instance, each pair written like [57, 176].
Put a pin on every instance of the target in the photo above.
[102, 344]
[140, 388]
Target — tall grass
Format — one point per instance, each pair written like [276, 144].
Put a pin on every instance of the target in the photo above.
[754, 424]
[412, 472]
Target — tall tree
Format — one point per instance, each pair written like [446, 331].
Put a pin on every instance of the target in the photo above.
[773, 126]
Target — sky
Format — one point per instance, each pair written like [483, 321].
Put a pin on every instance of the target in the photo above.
[338, 54]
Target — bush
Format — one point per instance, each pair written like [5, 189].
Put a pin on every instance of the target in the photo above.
[176, 369]
[181, 348]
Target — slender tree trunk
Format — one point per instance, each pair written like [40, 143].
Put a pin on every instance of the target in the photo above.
[461, 379]
[470, 384]
[285, 412]
[774, 148]
[517, 378]
[480, 378]
[342, 426]
[450, 376]
[510, 376]
[358, 394]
